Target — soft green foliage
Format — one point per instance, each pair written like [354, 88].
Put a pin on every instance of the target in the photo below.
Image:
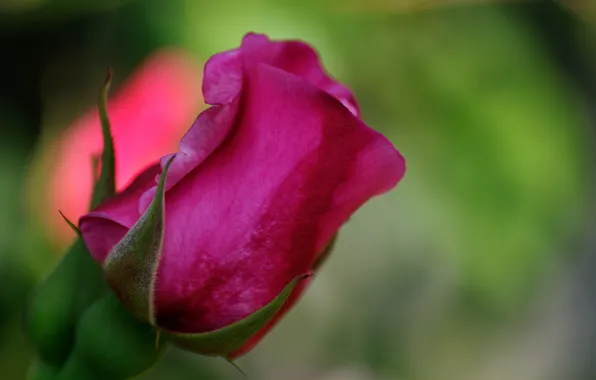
[26, 13]
[43, 371]
[504, 151]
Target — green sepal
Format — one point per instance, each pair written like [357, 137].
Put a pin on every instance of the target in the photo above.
[131, 266]
[236, 366]
[323, 256]
[71, 225]
[105, 187]
[227, 340]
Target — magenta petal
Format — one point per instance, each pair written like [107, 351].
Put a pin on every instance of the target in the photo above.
[288, 305]
[267, 202]
[298, 58]
[223, 77]
[221, 87]
[223, 80]
[206, 134]
[101, 234]
[106, 225]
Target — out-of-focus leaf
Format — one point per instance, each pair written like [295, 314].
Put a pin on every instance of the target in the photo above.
[23, 13]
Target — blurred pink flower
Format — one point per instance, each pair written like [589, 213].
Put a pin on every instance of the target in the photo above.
[148, 115]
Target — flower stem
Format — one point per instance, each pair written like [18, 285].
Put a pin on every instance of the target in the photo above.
[59, 301]
[111, 344]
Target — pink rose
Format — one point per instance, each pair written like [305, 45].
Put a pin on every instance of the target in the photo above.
[149, 115]
[261, 183]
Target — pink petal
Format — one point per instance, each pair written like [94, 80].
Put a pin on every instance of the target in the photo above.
[297, 58]
[288, 305]
[254, 214]
[106, 225]
[221, 86]
[223, 79]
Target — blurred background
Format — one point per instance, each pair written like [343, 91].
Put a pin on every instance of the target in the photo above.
[481, 265]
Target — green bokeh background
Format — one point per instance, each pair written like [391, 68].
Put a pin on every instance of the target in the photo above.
[479, 266]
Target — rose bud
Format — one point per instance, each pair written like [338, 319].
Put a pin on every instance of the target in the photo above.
[217, 250]
[149, 115]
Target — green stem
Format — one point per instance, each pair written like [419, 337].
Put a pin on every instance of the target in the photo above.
[58, 302]
[111, 344]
